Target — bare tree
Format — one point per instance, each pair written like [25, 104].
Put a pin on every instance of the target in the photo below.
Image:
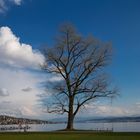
[80, 62]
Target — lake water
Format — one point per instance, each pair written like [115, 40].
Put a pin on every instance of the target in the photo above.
[117, 127]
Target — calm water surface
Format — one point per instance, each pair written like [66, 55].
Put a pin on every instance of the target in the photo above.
[117, 127]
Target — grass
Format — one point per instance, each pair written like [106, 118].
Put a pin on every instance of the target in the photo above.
[69, 136]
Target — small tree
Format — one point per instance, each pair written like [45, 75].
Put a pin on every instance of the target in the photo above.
[79, 61]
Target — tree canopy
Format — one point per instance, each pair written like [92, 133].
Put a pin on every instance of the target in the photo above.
[80, 62]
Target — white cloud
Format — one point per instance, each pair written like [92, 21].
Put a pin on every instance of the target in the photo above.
[26, 104]
[5, 4]
[27, 89]
[103, 110]
[4, 92]
[138, 103]
[17, 2]
[18, 103]
[17, 54]
[109, 110]
[54, 78]
[29, 111]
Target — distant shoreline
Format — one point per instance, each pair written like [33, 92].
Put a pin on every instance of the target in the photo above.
[9, 120]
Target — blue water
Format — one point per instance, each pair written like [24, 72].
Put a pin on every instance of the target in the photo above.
[117, 127]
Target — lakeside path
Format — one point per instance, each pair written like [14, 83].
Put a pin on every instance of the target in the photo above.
[84, 135]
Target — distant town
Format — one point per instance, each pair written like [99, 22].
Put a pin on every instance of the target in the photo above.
[8, 120]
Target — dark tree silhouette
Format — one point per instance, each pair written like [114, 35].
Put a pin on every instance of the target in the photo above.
[79, 61]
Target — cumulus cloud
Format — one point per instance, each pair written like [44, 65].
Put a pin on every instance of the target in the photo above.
[4, 92]
[17, 54]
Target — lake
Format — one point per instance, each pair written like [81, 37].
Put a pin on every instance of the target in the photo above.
[117, 126]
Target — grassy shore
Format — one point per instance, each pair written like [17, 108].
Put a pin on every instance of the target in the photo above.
[70, 136]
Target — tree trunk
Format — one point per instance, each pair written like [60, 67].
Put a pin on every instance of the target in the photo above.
[70, 115]
[70, 122]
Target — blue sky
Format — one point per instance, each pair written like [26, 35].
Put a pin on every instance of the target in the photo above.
[36, 22]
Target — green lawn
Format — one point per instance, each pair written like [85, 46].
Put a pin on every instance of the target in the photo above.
[70, 136]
